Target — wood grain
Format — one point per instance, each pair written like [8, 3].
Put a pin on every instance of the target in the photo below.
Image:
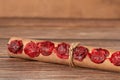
[59, 22]
[97, 9]
[20, 69]
[92, 22]
[61, 32]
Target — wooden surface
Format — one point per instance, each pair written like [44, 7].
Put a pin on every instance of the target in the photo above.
[100, 9]
[19, 69]
[92, 22]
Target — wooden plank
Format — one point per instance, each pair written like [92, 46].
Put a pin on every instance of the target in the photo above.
[36, 70]
[100, 9]
[14, 68]
[61, 32]
[59, 22]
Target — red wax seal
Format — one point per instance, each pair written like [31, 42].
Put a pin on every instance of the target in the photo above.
[62, 50]
[31, 49]
[16, 46]
[98, 55]
[115, 58]
[80, 52]
[46, 47]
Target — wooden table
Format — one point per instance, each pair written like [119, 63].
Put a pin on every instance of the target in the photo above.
[18, 69]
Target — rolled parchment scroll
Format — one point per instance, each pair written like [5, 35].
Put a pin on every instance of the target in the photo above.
[72, 54]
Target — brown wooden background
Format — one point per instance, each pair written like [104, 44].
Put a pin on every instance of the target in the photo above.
[92, 22]
[101, 9]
